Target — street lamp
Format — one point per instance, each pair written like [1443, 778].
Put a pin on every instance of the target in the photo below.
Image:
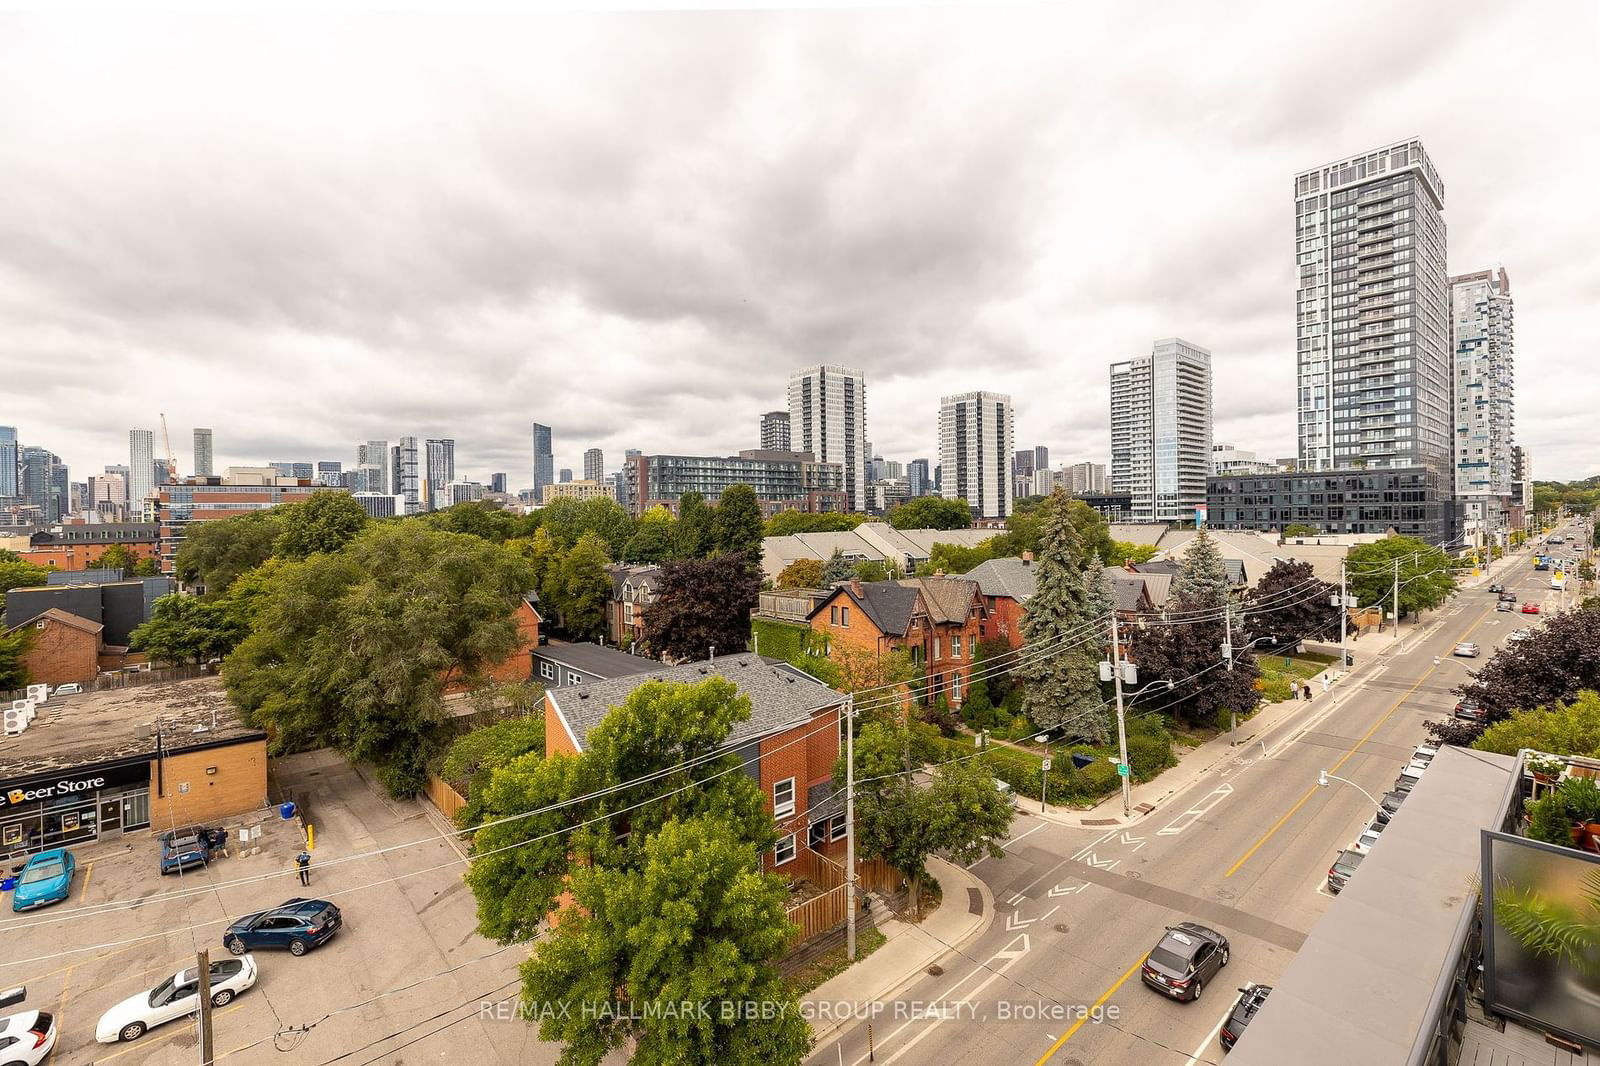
[1323, 777]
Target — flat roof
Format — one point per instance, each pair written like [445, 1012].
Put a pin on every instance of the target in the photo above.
[108, 726]
[1361, 987]
[597, 660]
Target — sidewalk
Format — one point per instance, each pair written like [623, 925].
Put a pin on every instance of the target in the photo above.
[910, 949]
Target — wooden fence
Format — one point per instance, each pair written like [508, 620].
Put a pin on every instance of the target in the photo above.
[442, 796]
[821, 913]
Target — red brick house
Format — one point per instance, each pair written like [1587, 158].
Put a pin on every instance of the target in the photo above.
[939, 620]
[789, 744]
[1006, 585]
[633, 590]
[518, 666]
[64, 648]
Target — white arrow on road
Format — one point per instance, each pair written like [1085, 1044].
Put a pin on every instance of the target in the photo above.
[1137, 842]
[1015, 921]
[1066, 890]
[1098, 863]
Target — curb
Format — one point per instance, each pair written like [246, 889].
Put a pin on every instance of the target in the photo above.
[953, 882]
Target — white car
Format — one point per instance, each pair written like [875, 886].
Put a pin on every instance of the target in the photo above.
[176, 997]
[1369, 836]
[71, 688]
[27, 1038]
[1518, 634]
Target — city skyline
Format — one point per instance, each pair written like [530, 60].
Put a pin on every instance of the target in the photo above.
[1183, 168]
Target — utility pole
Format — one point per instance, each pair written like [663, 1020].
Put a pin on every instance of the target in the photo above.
[207, 1054]
[1122, 721]
[1397, 599]
[1344, 619]
[850, 824]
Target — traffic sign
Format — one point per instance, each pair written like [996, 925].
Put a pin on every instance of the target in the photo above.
[1122, 769]
[1047, 764]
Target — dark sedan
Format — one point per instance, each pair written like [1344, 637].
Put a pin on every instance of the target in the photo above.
[1184, 960]
[1390, 805]
[1250, 999]
[1343, 868]
[298, 925]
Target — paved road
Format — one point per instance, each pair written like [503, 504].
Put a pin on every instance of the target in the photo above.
[1245, 850]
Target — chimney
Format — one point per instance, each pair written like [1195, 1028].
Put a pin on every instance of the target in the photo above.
[1027, 557]
[855, 586]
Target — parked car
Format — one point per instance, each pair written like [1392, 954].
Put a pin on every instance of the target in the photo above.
[1530, 608]
[191, 846]
[71, 688]
[1518, 635]
[27, 1038]
[1343, 868]
[176, 997]
[45, 879]
[1184, 959]
[1244, 1008]
[1423, 755]
[1507, 596]
[1466, 650]
[1497, 587]
[1369, 836]
[1389, 805]
[1466, 711]
[1408, 779]
[298, 925]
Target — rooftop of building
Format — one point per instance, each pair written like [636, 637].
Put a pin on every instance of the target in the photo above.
[780, 696]
[1013, 577]
[596, 659]
[116, 724]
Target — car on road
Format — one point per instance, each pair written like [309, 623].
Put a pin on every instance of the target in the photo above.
[1505, 606]
[26, 1039]
[1244, 1008]
[1466, 650]
[297, 925]
[1494, 588]
[71, 688]
[1389, 805]
[1369, 836]
[1408, 778]
[191, 846]
[1423, 755]
[1343, 868]
[1466, 711]
[45, 879]
[1507, 596]
[1518, 635]
[1530, 608]
[1184, 959]
[176, 997]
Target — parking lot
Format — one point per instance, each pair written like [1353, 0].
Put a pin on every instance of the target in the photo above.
[404, 978]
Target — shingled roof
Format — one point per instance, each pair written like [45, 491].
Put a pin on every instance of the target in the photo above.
[1005, 577]
[948, 599]
[889, 605]
[780, 696]
[56, 614]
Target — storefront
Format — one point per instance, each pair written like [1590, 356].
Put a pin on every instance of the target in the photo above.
[74, 807]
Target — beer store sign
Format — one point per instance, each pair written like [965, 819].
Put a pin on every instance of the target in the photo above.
[69, 785]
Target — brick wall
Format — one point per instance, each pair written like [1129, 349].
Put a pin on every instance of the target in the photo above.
[1005, 620]
[84, 556]
[238, 786]
[555, 734]
[518, 666]
[62, 653]
[806, 753]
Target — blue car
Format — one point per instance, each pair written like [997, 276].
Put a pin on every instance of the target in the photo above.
[193, 846]
[47, 878]
[298, 925]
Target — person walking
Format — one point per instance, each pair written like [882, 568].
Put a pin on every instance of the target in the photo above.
[1326, 683]
[1308, 691]
[303, 861]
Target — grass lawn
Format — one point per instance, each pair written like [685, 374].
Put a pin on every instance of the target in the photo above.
[1280, 672]
[832, 963]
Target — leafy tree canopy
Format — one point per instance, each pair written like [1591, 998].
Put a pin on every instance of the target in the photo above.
[215, 553]
[480, 518]
[1291, 601]
[955, 558]
[16, 574]
[703, 604]
[185, 629]
[1299, 529]
[1570, 728]
[567, 520]
[13, 646]
[653, 538]
[836, 569]
[1025, 531]
[932, 512]
[325, 522]
[116, 557]
[582, 587]
[801, 574]
[788, 523]
[1426, 574]
[696, 538]
[736, 525]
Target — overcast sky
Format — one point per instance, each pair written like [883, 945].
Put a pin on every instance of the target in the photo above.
[308, 232]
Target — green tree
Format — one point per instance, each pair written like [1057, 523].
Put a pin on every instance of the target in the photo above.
[1427, 576]
[652, 540]
[353, 649]
[703, 604]
[116, 557]
[1569, 728]
[695, 536]
[1298, 529]
[146, 568]
[471, 760]
[1061, 668]
[17, 574]
[324, 522]
[876, 570]
[955, 558]
[736, 526]
[585, 587]
[185, 629]
[693, 921]
[1123, 551]
[1291, 601]
[788, 523]
[800, 574]
[932, 512]
[836, 569]
[480, 518]
[13, 647]
[959, 814]
[213, 554]
[567, 520]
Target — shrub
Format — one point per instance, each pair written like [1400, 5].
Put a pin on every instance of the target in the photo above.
[1275, 689]
[1148, 756]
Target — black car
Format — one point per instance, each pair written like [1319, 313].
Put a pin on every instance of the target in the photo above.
[299, 925]
[1390, 804]
[1343, 868]
[1184, 960]
[1250, 999]
[1497, 588]
[1469, 712]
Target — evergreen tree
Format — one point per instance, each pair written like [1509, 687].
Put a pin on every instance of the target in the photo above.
[1060, 668]
[737, 525]
[836, 569]
[1202, 578]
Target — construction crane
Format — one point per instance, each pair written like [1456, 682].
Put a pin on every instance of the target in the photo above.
[172, 461]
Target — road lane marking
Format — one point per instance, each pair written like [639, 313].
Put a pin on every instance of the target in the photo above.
[1087, 848]
[1010, 842]
[1217, 795]
[1101, 864]
[1199, 1053]
[1346, 757]
[1086, 1015]
[177, 1030]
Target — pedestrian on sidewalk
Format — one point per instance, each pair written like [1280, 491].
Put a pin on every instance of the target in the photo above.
[1307, 688]
[303, 861]
[1325, 684]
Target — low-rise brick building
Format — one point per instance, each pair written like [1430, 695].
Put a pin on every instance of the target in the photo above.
[633, 590]
[788, 745]
[62, 648]
[1006, 585]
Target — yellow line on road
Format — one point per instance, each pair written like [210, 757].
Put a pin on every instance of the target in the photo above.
[66, 982]
[88, 872]
[1097, 1005]
[177, 1030]
[1301, 802]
